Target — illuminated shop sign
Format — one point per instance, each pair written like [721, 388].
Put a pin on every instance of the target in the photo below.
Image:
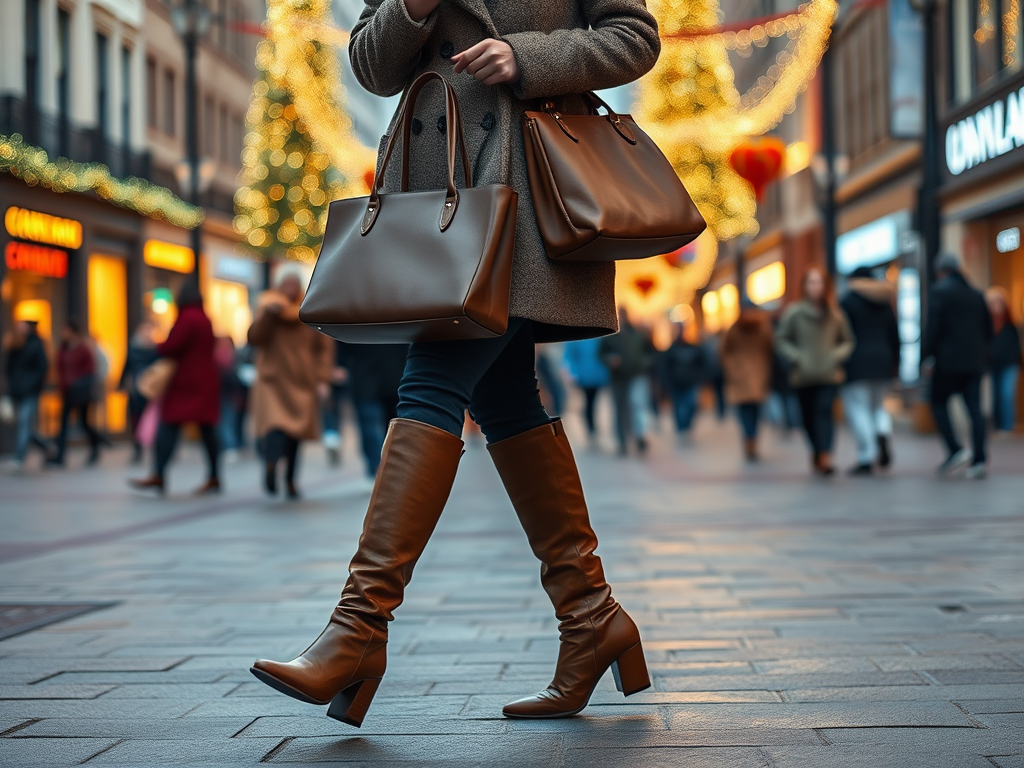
[162, 255]
[767, 283]
[43, 228]
[38, 259]
[990, 132]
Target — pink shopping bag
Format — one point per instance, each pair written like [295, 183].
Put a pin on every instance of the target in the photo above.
[145, 432]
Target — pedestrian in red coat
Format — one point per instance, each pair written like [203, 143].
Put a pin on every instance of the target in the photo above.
[76, 373]
[193, 394]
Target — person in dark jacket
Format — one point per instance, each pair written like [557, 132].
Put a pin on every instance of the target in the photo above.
[76, 370]
[1004, 361]
[374, 373]
[686, 368]
[141, 355]
[26, 370]
[875, 361]
[628, 356]
[955, 347]
[193, 394]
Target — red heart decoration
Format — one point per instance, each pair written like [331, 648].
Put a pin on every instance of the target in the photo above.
[759, 161]
[644, 284]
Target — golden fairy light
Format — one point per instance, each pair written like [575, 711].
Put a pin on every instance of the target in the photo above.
[33, 166]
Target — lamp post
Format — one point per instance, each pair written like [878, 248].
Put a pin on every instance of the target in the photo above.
[928, 203]
[192, 20]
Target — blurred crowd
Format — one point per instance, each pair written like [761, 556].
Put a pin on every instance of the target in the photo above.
[289, 384]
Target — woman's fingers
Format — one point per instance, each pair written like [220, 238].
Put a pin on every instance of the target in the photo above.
[469, 55]
[489, 61]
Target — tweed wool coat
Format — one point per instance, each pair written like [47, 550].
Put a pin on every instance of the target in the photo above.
[563, 48]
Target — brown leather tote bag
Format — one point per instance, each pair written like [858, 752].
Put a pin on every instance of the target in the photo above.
[416, 266]
[602, 190]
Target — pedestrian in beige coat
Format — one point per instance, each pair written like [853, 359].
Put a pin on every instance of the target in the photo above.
[814, 336]
[502, 58]
[747, 355]
[293, 368]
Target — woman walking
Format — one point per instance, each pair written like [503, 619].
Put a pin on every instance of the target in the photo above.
[814, 337]
[1004, 360]
[193, 393]
[501, 57]
[747, 359]
[76, 371]
[294, 364]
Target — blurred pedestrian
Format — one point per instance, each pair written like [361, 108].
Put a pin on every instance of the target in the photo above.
[26, 368]
[76, 370]
[233, 398]
[331, 409]
[814, 337]
[955, 347]
[747, 359]
[872, 366]
[193, 393]
[587, 371]
[686, 368]
[714, 375]
[1004, 361]
[628, 355]
[293, 372]
[550, 380]
[141, 355]
[374, 373]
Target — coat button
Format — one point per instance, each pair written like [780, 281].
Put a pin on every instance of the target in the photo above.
[447, 50]
[442, 124]
[488, 122]
[417, 126]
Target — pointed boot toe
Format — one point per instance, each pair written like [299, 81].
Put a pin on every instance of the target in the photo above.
[547, 704]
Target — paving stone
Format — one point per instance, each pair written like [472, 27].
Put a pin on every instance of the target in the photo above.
[48, 753]
[511, 751]
[665, 757]
[140, 727]
[838, 756]
[184, 752]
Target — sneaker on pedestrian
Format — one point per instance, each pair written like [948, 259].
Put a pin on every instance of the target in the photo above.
[956, 462]
[232, 456]
[861, 470]
[12, 467]
[976, 472]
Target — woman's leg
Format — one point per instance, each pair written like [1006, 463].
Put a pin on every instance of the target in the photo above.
[536, 465]
[421, 454]
[291, 466]
[807, 396]
[825, 410]
[166, 442]
[589, 408]
[211, 443]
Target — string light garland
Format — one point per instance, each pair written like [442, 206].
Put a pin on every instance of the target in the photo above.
[33, 166]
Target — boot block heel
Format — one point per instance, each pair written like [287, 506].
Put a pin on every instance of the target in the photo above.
[351, 704]
[630, 671]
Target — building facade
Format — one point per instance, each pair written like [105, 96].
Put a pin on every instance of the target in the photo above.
[98, 85]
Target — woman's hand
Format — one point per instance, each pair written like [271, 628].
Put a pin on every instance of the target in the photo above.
[420, 9]
[489, 61]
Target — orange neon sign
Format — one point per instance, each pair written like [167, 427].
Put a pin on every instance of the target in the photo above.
[39, 259]
[163, 255]
[43, 228]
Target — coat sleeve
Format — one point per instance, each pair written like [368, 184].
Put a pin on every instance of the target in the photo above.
[929, 341]
[785, 344]
[845, 340]
[385, 45]
[262, 328]
[621, 44]
[178, 339]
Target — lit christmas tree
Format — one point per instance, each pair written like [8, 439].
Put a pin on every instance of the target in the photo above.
[286, 182]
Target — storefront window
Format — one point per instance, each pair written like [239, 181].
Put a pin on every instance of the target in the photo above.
[227, 304]
[108, 325]
[1012, 29]
[985, 43]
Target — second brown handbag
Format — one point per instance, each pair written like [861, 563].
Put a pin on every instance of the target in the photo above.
[416, 266]
[602, 190]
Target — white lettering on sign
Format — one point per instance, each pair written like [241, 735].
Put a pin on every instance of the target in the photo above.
[1008, 240]
[990, 132]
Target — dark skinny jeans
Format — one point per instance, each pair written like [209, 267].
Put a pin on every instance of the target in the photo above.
[816, 407]
[968, 386]
[495, 379]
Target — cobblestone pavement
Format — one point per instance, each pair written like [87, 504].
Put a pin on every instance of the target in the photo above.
[788, 622]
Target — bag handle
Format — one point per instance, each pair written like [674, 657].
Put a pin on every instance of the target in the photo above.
[453, 118]
[594, 103]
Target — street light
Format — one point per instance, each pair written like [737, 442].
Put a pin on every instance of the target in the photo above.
[192, 20]
[928, 210]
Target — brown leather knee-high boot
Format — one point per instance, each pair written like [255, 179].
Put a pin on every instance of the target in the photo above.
[540, 476]
[345, 663]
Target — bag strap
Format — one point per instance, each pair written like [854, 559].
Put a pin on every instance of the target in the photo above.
[594, 103]
[455, 138]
